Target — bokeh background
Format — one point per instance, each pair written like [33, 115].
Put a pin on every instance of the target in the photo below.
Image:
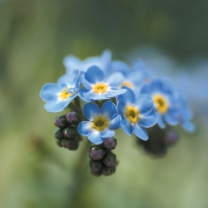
[35, 36]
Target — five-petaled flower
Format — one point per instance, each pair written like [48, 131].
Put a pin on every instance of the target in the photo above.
[100, 87]
[137, 114]
[101, 122]
[162, 93]
[58, 96]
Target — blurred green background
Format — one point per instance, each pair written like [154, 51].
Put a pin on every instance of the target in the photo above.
[35, 36]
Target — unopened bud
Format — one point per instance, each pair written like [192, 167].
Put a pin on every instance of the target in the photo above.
[59, 134]
[110, 143]
[96, 152]
[171, 137]
[60, 121]
[73, 118]
[108, 171]
[95, 166]
[110, 159]
[70, 132]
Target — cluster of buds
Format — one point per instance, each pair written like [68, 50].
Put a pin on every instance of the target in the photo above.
[66, 134]
[159, 141]
[102, 160]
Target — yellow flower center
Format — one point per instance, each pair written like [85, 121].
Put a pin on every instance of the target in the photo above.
[100, 88]
[160, 103]
[132, 114]
[100, 123]
[64, 94]
[127, 84]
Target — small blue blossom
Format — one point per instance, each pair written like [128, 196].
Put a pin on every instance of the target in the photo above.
[183, 112]
[100, 87]
[72, 62]
[137, 113]
[162, 92]
[58, 96]
[101, 122]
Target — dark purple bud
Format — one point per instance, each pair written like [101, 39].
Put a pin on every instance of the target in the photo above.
[60, 121]
[110, 159]
[108, 171]
[73, 118]
[171, 137]
[73, 145]
[59, 143]
[95, 166]
[96, 152]
[99, 173]
[110, 143]
[59, 134]
[65, 142]
[70, 132]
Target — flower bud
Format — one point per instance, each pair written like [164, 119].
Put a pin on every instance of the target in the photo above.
[108, 171]
[59, 143]
[73, 118]
[59, 134]
[65, 142]
[110, 159]
[96, 152]
[70, 132]
[110, 143]
[60, 121]
[171, 137]
[95, 166]
[73, 145]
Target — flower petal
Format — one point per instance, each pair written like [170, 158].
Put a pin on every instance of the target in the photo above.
[127, 127]
[84, 128]
[120, 107]
[160, 122]
[113, 93]
[149, 120]
[128, 96]
[109, 109]
[114, 80]
[84, 94]
[49, 92]
[188, 126]
[95, 138]
[90, 110]
[170, 119]
[140, 132]
[144, 103]
[106, 134]
[94, 74]
[98, 97]
[115, 122]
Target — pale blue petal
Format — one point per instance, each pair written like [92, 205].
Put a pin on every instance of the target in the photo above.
[56, 105]
[106, 134]
[113, 93]
[127, 127]
[90, 110]
[49, 92]
[67, 79]
[94, 74]
[86, 84]
[188, 126]
[170, 119]
[114, 80]
[71, 63]
[84, 128]
[98, 97]
[128, 96]
[144, 103]
[148, 120]
[115, 122]
[85, 94]
[119, 66]
[160, 122]
[121, 107]
[109, 109]
[95, 138]
[140, 132]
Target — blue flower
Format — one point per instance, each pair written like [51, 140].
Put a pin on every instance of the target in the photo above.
[100, 87]
[137, 113]
[101, 122]
[162, 92]
[73, 63]
[183, 113]
[58, 96]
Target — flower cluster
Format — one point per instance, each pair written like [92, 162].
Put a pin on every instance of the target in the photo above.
[113, 95]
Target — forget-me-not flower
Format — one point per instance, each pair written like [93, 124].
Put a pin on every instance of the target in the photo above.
[162, 93]
[101, 122]
[137, 113]
[100, 87]
[58, 96]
